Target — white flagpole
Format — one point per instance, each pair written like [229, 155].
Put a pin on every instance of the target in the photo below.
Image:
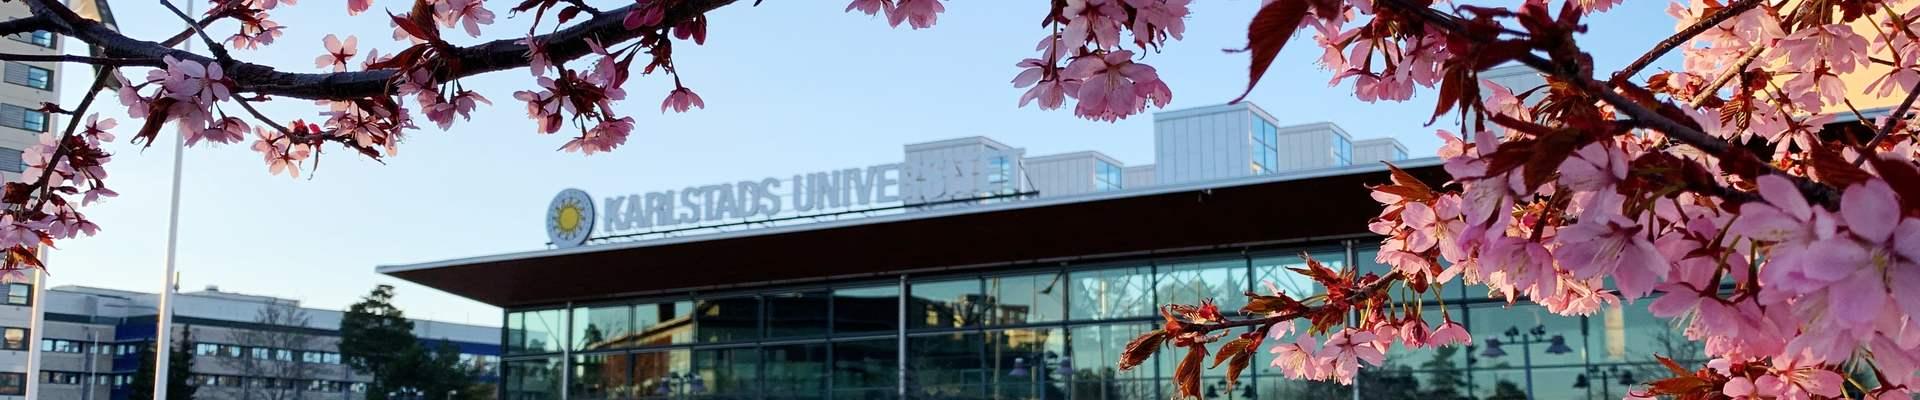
[163, 335]
[36, 327]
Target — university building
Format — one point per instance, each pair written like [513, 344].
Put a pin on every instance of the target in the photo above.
[988, 273]
[245, 346]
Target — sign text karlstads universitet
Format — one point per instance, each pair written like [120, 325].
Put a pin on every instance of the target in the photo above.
[849, 187]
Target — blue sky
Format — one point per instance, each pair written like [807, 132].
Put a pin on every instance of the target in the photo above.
[791, 86]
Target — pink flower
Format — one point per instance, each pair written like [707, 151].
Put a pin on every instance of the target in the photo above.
[919, 14]
[1113, 86]
[1093, 21]
[1347, 349]
[1742, 388]
[1449, 334]
[467, 13]
[646, 14]
[1157, 20]
[1299, 360]
[1834, 45]
[223, 131]
[338, 53]
[192, 81]
[355, 7]
[1605, 243]
[1414, 333]
[537, 61]
[682, 99]
[1048, 86]
[871, 7]
[1596, 167]
[97, 128]
[604, 136]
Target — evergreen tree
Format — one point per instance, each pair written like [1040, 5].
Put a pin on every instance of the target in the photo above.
[375, 337]
[180, 385]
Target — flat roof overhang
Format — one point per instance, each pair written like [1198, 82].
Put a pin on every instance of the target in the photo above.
[1303, 206]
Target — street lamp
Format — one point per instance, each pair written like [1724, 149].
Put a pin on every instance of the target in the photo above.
[1215, 389]
[1606, 378]
[1556, 344]
[1047, 366]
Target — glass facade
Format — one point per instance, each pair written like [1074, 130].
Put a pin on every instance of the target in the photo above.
[1052, 332]
[1106, 176]
[1266, 147]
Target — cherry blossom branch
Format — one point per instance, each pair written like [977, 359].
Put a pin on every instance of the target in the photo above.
[1681, 37]
[219, 51]
[1893, 119]
[191, 28]
[561, 46]
[101, 61]
[100, 78]
[24, 25]
[1361, 293]
[1739, 67]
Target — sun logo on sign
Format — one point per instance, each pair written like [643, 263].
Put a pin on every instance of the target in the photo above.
[570, 218]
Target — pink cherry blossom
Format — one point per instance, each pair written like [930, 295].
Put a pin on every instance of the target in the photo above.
[871, 7]
[920, 14]
[1449, 334]
[469, 14]
[682, 99]
[1095, 22]
[355, 7]
[338, 53]
[1300, 359]
[1113, 86]
[1346, 349]
[605, 136]
[1047, 85]
[1596, 167]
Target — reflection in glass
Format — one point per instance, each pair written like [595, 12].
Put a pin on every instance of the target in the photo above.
[535, 331]
[601, 327]
[945, 304]
[1027, 364]
[1275, 269]
[866, 369]
[601, 376]
[1223, 281]
[660, 324]
[1515, 329]
[661, 374]
[1112, 293]
[1095, 356]
[796, 371]
[945, 366]
[797, 314]
[728, 373]
[866, 310]
[1026, 298]
[729, 319]
[537, 379]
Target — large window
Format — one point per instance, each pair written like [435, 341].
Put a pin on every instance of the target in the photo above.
[728, 319]
[1106, 176]
[1025, 363]
[601, 376]
[535, 331]
[31, 119]
[13, 338]
[663, 323]
[665, 374]
[1025, 299]
[1095, 354]
[874, 309]
[536, 379]
[1000, 175]
[19, 294]
[866, 369]
[796, 371]
[600, 327]
[1188, 282]
[945, 304]
[1266, 147]
[13, 383]
[1342, 150]
[1112, 292]
[29, 76]
[945, 366]
[728, 373]
[11, 160]
[799, 314]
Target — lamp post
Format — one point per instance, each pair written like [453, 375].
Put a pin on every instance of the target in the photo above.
[1556, 344]
[675, 383]
[1606, 378]
[1047, 366]
[1215, 389]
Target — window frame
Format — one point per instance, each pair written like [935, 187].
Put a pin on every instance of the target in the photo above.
[25, 343]
[27, 298]
[35, 38]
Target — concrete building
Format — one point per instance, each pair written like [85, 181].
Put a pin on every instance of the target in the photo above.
[28, 85]
[1239, 140]
[244, 345]
[1373, 151]
[959, 169]
[1073, 173]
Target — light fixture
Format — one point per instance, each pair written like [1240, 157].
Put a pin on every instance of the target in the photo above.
[695, 384]
[1493, 349]
[1580, 381]
[1066, 367]
[1019, 368]
[1626, 378]
[1558, 345]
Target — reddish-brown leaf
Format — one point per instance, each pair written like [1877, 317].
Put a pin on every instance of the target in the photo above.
[1141, 348]
[1235, 367]
[1678, 385]
[1406, 185]
[1547, 154]
[568, 13]
[1904, 179]
[1673, 367]
[1263, 304]
[1186, 377]
[1232, 349]
[1268, 33]
[1832, 169]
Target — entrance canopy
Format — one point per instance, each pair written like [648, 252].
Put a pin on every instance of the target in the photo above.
[1292, 207]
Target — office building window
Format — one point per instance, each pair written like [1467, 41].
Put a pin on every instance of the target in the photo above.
[29, 76]
[1266, 147]
[13, 383]
[37, 38]
[1000, 175]
[13, 339]
[19, 294]
[1106, 176]
[23, 118]
[11, 160]
[60, 377]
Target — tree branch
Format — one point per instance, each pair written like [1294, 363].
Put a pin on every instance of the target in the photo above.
[24, 25]
[563, 45]
[1363, 292]
[101, 61]
[1893, 119]
[1739, 67]
[1682, 37]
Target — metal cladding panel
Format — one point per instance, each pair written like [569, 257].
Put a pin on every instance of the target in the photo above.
[1061, 176]
[1204, 146]
[1138, 176]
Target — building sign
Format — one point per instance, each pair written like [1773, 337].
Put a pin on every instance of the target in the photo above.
[570, 218]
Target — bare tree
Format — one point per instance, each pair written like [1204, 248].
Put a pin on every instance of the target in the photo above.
[270, 355]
